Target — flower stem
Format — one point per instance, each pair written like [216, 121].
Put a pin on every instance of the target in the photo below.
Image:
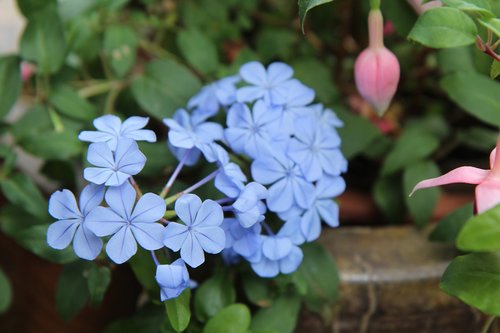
[193, 187]
[375, 4]
[155, 259]
[487, 324]
[56, 120]
[376, 29]
[174, 175]
[268, 228]
[169, 214]
[96, 89]
[136, 187]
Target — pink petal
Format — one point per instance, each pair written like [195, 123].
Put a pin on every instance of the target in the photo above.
[487, 194]
[465, 174]
[492, 158]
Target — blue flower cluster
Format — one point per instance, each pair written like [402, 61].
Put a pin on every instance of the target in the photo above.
[277, 202]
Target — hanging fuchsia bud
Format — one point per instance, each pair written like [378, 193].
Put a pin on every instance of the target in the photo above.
[377, 69]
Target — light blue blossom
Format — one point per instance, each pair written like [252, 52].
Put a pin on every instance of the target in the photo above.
[288, 187]
[316, 151]
[201, 231]
[111, 129]
[173, 279]
[208, 101]
[129, 225]
[251, 132]
[72, 225]
[278, 255]
[248, 207]
[270, 84]
[230, 180]
[326, 116]
[113, 168]
[243, 241]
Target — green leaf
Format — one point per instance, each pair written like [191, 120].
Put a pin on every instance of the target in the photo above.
[357, 133]
[53, 145]
[179, 311]
[476, 94]
[401, 14]
[387, 192]
[448, 228]
[213, 295]
[34, 121]
[72, 292]
[5, 292]
[98, 280]
[421, 204]
[412, 146]
[257, 290]
[10, 83]
[479, 138]
[456, 59]
[474, 7]
[232, 319]
[43, 41]
[120, 46]
[492, 24]
[280, 317]
[475, 280]
[495, 69]
[21, 191]
[305, 6]
[275, 43]
[164, 87]
[318, 76]
[481, 232]
[159, 158]
[69, 103]
[320, 272]
[34, 239]
[144, 270]
[31, 7]
[148, 319]
[198, 50]
[444, 27]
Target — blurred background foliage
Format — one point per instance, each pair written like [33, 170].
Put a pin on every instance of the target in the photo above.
[147, 57]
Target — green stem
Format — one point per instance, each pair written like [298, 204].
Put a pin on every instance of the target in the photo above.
[96, 89]
[487, 324]
[55, 119]
[170, 214]
[375, 4]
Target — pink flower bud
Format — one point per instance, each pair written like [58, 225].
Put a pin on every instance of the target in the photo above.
[376, 70]
[27, 70]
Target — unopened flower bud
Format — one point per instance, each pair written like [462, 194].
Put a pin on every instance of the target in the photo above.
[376, 70]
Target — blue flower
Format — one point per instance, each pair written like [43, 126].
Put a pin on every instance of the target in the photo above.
[113, 168]
[173, 279]
[292, 229]
[243, 241]
[189, 132]
[201, 231]
[230, 180]
[251, 133]
[288, 185]
[129, 225]
[72, 223]
[269, 84]
[111, 129]
[323, 207]
[248, 207]
[326, 116]
[316, 151]
[279, 255]
[211, 97]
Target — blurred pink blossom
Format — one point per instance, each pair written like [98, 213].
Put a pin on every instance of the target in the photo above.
[27, 71]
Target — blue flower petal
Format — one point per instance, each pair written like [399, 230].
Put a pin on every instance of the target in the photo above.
[209, 214]
[97, 176]
[86, 244]
[149, 208]
[290, 263]
[276, 248]
[103, 221]
[128, 157]
[310, 225]
[211, 239]
[99, 154]
[91, 197]
[121, 200]
[122, 246]
[192, 252]
[62, 205]
[60, 233]
[174, 235]
[148, 235]
[254, 72]
[266, 268]
[279, 72]
[186, 208]
[329, 212]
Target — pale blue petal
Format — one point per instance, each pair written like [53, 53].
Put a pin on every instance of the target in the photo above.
[99, 154]
[122, 246]
[266, 268]
[95, 136]
[148, 235]
[91, 197]
[141, 135]
[248, 245]
[62, 205]
[249, 94]
[149, 208]
[181, 139]
[97, 176]
[117, 179]
[292, 261]
[209, 214]
[186, 208]
[330, 187]
[278, 72]
[280, 197]
[174, 236]
[60, 233]
[291, 229]
[237, 138]
[208, 132]
[310, 225]
[129, 158]
[211, 239]
[121, 200]
[329, 212]
[192, 252]
[276, 248]
[303, 192]
[239, 116]
[254, 72]
[267, 170]
[108, 123]
[86, 244]
[103, 221]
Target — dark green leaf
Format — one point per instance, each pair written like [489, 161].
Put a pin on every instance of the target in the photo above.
[72, 292]
[401, 14]
[444, 27]
[144, 270]
[21, 191]
[275, 43]
[159, 158]
[164, 87]
[387, 192]
[233, 319]
[120, 45]
[43, 41]
[492, 24]
[479, 138]
[149, 319]
[34, 121]
[68, 102]
[481, 232]
[53, 145]
[412, 146]
[421, 204]
[10, 83]
[5, 292]
[30, 7]
[257, 290]
[318, 76]
[213, 295]
[456, 59]
[448, 228]
[280, 317]
[475, 279]
[305, 6]
[320, 272]
[198, 50]
[98, 280]
[357, 133]
[179, 311]
[495, 69]
[475, 7]
[476, 94]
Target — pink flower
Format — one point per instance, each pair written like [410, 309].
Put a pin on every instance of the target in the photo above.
[487, 181]
[27, 70]
[376, 70]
